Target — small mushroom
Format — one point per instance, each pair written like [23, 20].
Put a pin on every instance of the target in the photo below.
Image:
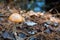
[15, 17]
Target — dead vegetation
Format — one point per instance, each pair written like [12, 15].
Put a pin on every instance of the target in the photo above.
[39, 18]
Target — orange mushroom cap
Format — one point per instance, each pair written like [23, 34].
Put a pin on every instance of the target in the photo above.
[15, 17]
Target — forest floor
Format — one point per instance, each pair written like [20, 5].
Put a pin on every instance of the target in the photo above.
[37, 25]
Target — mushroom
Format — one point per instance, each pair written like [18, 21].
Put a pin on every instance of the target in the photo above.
[15, 17]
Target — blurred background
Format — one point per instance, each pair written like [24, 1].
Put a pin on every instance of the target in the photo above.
[35, 5]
